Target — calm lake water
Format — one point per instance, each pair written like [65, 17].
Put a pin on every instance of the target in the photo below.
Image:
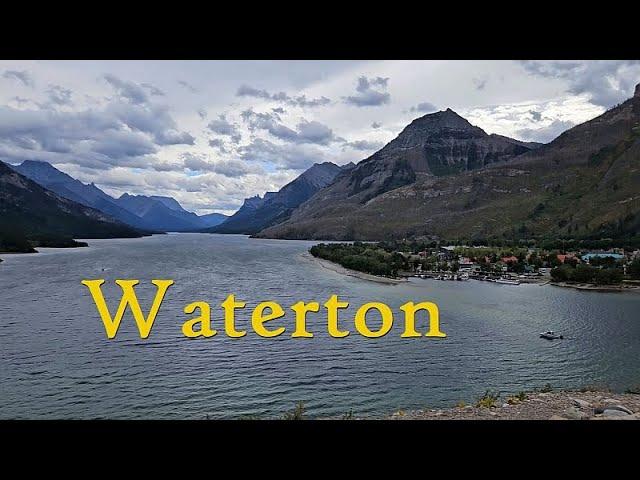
[55, 360]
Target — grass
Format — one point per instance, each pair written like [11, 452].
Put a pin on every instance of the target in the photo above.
[516, 399]
[488, 400]
[348, 415]
[296, 414]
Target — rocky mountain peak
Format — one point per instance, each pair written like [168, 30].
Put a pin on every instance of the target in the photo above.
[637, 94]
[444, 119]
[321, 174]
[37, 164]
[252, 202]
[41, 172]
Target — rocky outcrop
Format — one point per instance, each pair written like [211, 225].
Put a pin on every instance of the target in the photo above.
[538, 406]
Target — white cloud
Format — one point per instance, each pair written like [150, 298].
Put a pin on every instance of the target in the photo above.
[126, 125]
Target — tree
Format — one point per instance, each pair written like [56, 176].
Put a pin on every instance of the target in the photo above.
[561, 274]
[608, 276]
[634, 269]
[584, 274]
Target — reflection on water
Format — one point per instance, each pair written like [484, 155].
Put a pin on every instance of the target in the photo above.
[57, 363]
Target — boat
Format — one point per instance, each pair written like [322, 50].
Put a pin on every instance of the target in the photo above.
[508, 281]
[550, 335]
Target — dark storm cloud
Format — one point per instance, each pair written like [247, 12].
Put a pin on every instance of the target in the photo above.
[607, 82]
[298, 101]
[376, 125]
[424, 107]
[306, 131]
[370, 92]
[21, 76]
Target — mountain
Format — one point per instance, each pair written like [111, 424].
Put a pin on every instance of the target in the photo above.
[258, 213]
[153, 213]
[32, 216]
[212, 219]
[68, 187]
[170, 203]
[443, 177]
[161, 213]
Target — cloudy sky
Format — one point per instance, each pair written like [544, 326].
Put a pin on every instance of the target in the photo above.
[212, 133]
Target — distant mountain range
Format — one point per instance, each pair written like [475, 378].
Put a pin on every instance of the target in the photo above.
[258, 213]
[443, 177]
[32, 216]
[152, 213]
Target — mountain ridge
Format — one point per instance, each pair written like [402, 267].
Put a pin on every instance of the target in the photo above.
[152, 213]
[257, 213]
[32, 216]
[584, 182]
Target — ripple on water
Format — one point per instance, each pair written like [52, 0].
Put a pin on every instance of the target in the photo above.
[57, 363]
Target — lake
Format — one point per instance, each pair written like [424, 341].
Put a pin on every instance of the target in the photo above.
[56, 362]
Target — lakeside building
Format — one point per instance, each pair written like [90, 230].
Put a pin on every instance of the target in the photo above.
[446, 253]
[469, 267]
[588, 256]
[567, 257]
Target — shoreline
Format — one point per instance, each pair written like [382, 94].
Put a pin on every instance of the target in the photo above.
[596, 288]
[537, 405]
[337, 268]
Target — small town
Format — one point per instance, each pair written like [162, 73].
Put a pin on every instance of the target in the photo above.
[512, 266]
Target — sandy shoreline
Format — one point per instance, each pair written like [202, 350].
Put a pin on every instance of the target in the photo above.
[334, 267]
